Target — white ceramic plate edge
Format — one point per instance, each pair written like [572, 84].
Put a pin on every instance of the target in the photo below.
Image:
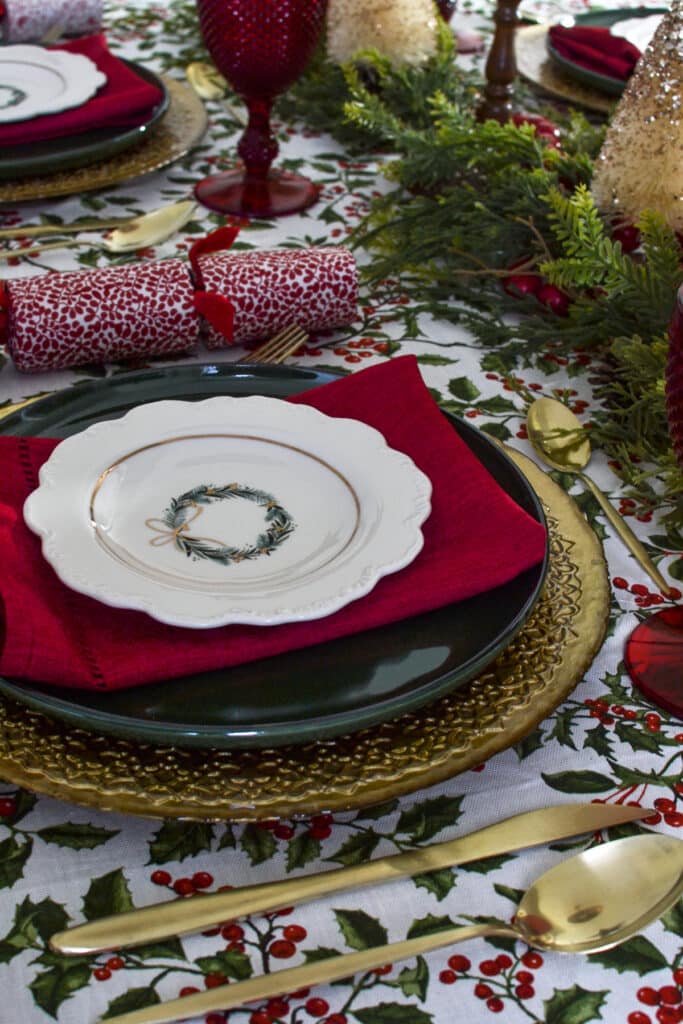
[81, 75]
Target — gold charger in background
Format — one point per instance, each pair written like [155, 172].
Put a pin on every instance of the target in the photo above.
[534, 674]
[179, 130]
[535, 64]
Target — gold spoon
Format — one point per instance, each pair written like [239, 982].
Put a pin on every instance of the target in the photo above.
[561, 441]
[209, 84]
[590, 902]
[206, 80]
[136, 233]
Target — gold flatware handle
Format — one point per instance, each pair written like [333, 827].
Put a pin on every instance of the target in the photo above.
[626, 534]
[42, 230]
[36, 250]
[264, 986]
[177, 917]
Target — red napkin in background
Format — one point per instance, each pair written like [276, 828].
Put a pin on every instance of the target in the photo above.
[595, 48]
[125, 100]
[476, 538]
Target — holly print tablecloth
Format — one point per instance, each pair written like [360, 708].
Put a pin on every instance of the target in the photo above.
[61, 863]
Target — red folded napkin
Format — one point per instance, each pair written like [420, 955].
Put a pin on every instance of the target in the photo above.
[476, 538]
[126, 100]
[595, 48]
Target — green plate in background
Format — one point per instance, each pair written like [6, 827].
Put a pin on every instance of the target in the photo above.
[70, 151]
[605, 83]
[314, 693]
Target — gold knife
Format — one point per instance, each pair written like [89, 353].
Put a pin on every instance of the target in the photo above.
[177, 917]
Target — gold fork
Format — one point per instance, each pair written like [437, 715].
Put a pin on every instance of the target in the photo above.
[277, 348]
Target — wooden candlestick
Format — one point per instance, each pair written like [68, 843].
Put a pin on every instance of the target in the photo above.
[501, 65]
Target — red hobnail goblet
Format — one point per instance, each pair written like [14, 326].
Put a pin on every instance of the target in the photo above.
[261, 47]
[654, 650]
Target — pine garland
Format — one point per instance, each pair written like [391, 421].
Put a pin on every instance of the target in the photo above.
[473, 203]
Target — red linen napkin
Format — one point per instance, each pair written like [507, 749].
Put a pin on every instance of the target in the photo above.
[125, 101]
[595, 48]
[476, 538]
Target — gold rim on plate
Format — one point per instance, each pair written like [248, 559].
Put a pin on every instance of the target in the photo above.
[179, 130]
[533, 675]
[535, 64]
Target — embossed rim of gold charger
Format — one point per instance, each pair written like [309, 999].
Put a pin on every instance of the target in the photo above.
[416, 750]
[179, 130]
[535, 64]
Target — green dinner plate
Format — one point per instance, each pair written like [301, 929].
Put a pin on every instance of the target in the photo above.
[70, 151]
[605, 83]
[314, 693]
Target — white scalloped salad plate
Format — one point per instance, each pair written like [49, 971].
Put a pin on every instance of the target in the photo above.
[228, 510]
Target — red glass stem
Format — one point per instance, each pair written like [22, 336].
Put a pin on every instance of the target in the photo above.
[258, 147]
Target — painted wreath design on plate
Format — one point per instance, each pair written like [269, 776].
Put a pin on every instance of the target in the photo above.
[174, 526]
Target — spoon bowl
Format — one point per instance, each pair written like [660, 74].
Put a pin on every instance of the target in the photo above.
[588, 903]
[559, 438]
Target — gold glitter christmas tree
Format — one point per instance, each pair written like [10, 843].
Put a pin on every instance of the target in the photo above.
[402, 30]
[640, 166]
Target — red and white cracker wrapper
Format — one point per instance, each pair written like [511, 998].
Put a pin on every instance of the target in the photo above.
[103, 315]
[316, 288]
[27, 21]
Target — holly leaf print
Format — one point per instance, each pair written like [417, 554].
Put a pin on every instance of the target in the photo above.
[598, 739]
[497, 430]
[638, 738]
[258, 843]
[13, 856]
[31, 922]
[637, 954]
[360, 930]
[464, 389]
[314, 956]
[108, 894]
[562, 730]
[76, 837]
[392, 1013]
[377, 811]
[428, 926]
[413, 981]
[574, 1005]
[427, 818]
[177, 840]
[50, 988]
[170, 949]
[427, 359]
[24, 802]
[229, 962]
[227, 840]
[439, 883]
[302, 849]
[578, 782]
[528, 744]
[357, 849]
[486, 864]
[515, 895]
[134, 999]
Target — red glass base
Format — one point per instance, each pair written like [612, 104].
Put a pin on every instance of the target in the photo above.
[233, 192]
[654, 659]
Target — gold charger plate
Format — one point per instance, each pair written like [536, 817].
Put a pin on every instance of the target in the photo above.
[535, 64]
[179, 130]
[534, 674]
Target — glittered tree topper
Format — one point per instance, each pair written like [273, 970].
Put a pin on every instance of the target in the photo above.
[640, 165]
[405, 31]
